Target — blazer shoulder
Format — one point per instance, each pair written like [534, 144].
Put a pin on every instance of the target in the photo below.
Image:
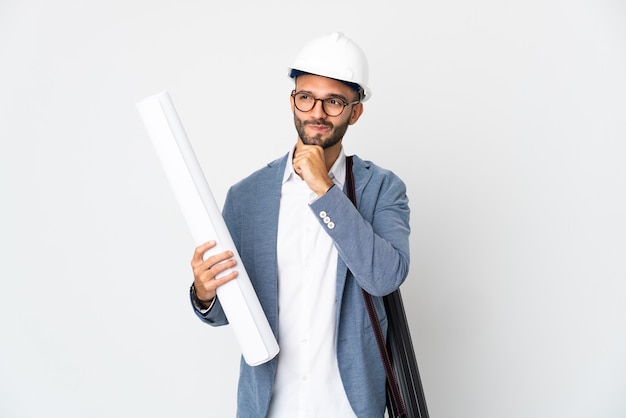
[262, 177]
[368, 168]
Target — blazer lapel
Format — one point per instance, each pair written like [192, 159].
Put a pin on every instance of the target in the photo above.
[265, 232]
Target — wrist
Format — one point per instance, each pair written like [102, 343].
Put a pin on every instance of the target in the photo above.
[205, 303]
[326, 189]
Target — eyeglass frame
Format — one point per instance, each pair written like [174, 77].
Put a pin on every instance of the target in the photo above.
[345, 104]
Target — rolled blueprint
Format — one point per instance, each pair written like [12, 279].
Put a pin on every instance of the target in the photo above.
[196, 201]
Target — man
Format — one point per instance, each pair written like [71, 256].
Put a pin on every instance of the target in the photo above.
[308, 251]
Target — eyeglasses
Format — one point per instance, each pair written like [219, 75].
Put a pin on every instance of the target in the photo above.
[332, 106]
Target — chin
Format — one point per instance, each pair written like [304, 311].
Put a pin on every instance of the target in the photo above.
[314, 141]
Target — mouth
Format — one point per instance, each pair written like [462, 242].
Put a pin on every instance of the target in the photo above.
[318, 127]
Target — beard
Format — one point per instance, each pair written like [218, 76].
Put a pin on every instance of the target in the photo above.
[335, 134]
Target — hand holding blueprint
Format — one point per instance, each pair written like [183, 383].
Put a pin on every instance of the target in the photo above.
[238, 298]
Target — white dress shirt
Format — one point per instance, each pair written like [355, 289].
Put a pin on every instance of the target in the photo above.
[307, 382]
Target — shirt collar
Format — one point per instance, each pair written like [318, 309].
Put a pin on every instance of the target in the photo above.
[337, 172]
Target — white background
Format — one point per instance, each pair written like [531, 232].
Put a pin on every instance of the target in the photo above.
[506, 119]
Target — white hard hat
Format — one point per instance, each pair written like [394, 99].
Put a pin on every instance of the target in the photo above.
[334, 56]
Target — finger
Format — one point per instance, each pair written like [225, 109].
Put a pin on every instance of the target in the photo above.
[219, 268]
[312, 156]
[215, 259]
[213, 266]
[312, 150]
[198, 254]
[207, 289]
[219, 281]
[303, 164]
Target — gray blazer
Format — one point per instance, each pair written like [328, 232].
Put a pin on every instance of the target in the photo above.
[373, 246]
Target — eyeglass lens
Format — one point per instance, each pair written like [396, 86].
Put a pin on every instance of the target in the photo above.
[332, 106]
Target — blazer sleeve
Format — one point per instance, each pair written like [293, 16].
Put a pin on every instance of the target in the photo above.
[372, 241]
[214, 316]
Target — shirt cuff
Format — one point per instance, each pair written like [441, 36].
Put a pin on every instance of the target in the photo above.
[196, 303]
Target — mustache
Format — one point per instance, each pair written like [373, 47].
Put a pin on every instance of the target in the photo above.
[319, 122]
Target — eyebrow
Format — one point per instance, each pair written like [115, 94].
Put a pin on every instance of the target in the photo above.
[330, 96]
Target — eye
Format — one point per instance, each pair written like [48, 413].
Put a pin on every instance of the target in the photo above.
[334, 101]
[305, 97]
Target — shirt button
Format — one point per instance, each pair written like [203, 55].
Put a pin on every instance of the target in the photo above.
[326, 220]
[331, 225]
[323, 214]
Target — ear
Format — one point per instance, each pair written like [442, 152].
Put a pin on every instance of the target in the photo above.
[357, 111]
[291, 102]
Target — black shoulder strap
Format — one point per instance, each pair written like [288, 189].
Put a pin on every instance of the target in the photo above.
[393, 390]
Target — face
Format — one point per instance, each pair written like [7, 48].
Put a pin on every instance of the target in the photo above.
[315, 127]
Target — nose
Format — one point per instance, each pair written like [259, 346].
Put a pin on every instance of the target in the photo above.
[318, 109]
